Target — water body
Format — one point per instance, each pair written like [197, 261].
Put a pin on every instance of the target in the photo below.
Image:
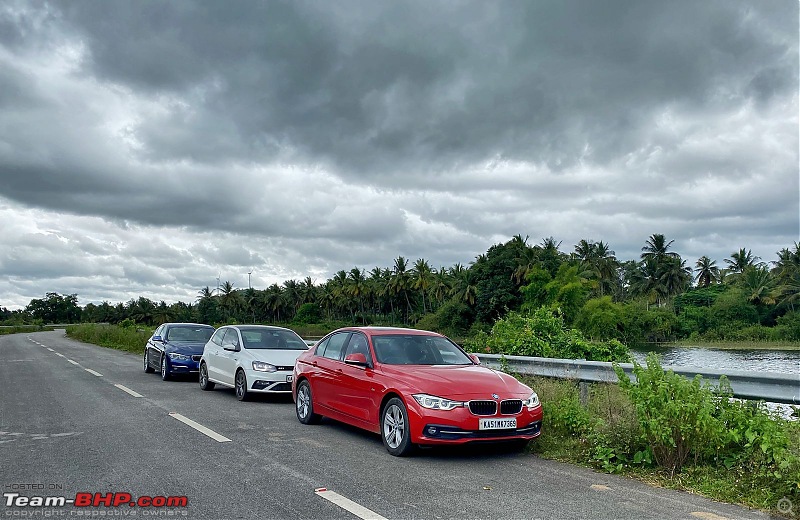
[784, 361]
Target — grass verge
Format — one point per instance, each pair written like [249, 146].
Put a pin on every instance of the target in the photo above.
[111, 336]
[605, 433]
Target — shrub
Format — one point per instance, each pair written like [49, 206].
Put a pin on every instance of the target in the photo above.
[543, 334]
[676, 414]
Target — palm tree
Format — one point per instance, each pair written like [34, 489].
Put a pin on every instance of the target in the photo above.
[229, 299]
[400, 282]
[758, 283]
[675, 276]
[464, 289]
[657, 248]
[741, 260]
[707, 271]
[422, 279]
[357, 288]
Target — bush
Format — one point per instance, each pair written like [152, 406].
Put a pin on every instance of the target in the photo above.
[543, 334]
[308, 313]
[676, 414]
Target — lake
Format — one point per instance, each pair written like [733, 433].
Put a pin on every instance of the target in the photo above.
[785, 361]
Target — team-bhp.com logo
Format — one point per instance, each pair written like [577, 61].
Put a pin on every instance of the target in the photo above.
[94, 500]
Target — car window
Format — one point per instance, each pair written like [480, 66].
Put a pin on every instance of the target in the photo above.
[320, 348]
[159, 331]
[217, 337]
[232, 337]
[400, 349]
[276, 339]
[358, 345]
[333, 349]
[189, 333]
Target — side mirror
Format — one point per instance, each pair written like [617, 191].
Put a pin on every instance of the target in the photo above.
[230, 347]
[358, 359]
[158, 338]
[475, 359]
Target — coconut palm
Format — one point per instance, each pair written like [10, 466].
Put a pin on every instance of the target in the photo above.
[741, 260]
[422, 279]
[657, 248]
[707, 271]
[758, 284]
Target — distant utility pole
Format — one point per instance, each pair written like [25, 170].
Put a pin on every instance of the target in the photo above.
[248, 279]
[218, 283]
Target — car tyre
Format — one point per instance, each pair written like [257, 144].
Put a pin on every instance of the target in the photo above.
[164, 368]
[241, 386]
[205, 384]
[395, 428]
[147, 368]
[304, 405]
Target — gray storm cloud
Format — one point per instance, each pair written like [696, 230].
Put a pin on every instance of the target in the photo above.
[308, 137]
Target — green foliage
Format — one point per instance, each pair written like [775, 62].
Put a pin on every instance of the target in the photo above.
[676, 414]
[127, 338]
[308, 313]
[453, 319]
[740, 452]
[543, 334]
[602, 319]
[16, 329]
[55, 308]
[788, 327]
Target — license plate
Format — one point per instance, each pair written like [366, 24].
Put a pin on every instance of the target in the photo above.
[497, 424]
[289, 379]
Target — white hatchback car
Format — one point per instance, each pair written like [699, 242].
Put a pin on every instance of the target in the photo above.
[251, 358]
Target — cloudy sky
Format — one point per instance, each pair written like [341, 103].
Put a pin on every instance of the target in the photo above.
[148, 147]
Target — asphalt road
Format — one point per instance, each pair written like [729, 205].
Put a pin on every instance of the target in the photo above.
[66, 430]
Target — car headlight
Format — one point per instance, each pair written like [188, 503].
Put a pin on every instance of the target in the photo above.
[436, 403]
[179, 357]
[264, 367]
[531, 402]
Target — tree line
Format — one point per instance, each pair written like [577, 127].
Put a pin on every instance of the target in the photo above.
[657, 297]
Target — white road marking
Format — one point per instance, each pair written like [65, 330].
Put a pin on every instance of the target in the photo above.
[348, 505]
[62, 355]
[199, 427]
[73, 362]
[129, 391]
[51, 350]
[98, 374]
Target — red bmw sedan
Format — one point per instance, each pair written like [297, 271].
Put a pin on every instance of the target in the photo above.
[412, 387]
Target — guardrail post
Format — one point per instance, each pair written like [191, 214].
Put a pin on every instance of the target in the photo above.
[583, 388]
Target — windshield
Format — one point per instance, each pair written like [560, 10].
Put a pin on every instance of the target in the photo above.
[398, 349]
[189, 333]
[277, 339]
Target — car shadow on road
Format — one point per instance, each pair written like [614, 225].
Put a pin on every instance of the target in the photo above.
[470, 451]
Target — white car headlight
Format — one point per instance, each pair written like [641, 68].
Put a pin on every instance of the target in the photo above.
[436, 403]
[531, 402]
[180, 357]
[264, 367]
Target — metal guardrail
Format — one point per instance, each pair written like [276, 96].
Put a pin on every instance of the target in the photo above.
[773, 387]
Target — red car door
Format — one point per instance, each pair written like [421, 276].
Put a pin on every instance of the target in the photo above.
[328, 362]
[357, 384]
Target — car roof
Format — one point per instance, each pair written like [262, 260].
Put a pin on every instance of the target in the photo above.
[376, 331]
[252, 327]
[188, 324]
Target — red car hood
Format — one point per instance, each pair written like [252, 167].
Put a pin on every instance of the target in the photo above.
[459, 382]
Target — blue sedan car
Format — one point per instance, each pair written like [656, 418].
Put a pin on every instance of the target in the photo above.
[175, 348]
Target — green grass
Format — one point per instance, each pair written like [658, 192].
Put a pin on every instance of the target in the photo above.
[111, 336]
[17, 329]
[577, 433]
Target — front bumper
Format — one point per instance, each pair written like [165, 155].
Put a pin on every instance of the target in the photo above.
[180, 366]
[279, 382]
[459, 426]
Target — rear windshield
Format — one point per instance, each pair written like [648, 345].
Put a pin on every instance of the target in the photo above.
[189, 333]
[399, 349]
[276, 339]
